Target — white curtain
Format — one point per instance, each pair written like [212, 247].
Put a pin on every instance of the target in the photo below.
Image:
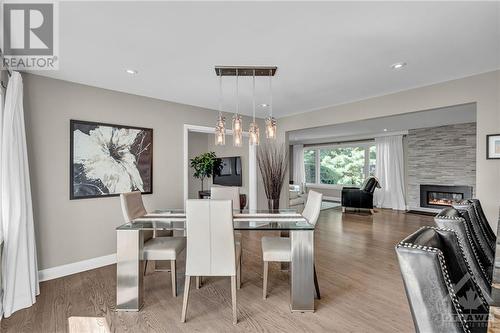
[390, 172]
[19, 262]
[299, 174]
[1, 227]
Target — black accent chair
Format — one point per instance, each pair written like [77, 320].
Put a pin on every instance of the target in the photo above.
[441, 288]
[450, 218]
[360, 198]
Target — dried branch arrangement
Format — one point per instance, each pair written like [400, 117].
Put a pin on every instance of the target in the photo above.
[273, 164]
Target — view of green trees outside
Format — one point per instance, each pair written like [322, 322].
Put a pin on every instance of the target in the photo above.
[373, 161]
[343, 166]
[310, 165]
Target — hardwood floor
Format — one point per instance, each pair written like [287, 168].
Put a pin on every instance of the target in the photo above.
[358, 274]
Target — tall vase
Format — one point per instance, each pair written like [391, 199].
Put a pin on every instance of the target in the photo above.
[273, 204]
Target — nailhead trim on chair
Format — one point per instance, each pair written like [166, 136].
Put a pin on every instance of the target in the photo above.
[469, 238]
[468, 208]
[444, 270]
[475, 205]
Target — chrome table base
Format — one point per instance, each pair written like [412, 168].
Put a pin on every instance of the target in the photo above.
[129, 270]
[302, 271]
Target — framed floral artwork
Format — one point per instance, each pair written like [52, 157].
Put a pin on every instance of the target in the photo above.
[108, 159]
[493, 146]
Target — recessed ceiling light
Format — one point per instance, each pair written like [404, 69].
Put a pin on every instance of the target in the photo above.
[264, 105]
[398, 65]
[131, 71]
[385, 129]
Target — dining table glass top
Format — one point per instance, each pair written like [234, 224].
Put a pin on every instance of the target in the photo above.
[248, 212]
[238, 225]
[174, 219]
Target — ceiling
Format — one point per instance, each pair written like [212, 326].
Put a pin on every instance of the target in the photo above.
[370, 128]
[327, 53]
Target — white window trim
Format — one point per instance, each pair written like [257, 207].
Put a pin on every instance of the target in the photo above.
[366, 169]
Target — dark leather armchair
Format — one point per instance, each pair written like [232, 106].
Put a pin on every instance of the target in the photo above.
[467, 210]
[450, 218]
[441, 288]
[490, 235]
[355, 197]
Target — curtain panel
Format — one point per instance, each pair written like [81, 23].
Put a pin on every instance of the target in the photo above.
[299, 174]
[390, 173]
[19, 261]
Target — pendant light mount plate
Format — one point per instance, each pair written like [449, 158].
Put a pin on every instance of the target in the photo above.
[245, 70]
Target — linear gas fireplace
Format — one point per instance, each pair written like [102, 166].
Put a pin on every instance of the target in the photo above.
[440, 196]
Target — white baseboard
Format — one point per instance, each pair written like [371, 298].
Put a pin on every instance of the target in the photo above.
[76, 267]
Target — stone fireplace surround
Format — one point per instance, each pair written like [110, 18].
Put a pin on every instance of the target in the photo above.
[443, 155]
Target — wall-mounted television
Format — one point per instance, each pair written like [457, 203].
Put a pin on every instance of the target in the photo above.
[230, 173]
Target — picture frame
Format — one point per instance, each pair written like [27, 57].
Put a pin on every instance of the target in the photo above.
[109, 159]
[493, 146]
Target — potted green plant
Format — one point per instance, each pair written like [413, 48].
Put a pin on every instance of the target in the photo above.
[205, 165]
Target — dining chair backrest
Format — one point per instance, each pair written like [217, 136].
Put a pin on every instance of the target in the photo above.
[210, 238]
[226, 193]
[132, 208]
[132, 205]
[313, 207]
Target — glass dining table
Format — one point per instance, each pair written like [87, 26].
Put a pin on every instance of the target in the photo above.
[130, 240]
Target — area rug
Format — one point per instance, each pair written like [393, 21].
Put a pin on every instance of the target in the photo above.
[329, 205]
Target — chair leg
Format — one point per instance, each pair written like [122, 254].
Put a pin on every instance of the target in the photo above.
[145, 267]
[238, 274]
[198, 282]
[264, 286]
[186, 297]
[173, 274]
[372, 211]
[233, 296]
[316, 285]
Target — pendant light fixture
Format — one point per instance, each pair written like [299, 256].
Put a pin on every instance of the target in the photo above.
[220, 127]
[237, 121]
[271, 121]
[253, 131]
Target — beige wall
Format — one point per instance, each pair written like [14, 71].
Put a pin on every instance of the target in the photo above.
[68, 231]
[484, 89]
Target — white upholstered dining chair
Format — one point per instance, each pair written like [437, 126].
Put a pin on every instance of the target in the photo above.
[155, 248]
[230, 193]
[279, 248]
[211, 250]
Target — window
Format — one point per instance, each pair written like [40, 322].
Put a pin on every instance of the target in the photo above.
[340, 165]
[310, 165]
